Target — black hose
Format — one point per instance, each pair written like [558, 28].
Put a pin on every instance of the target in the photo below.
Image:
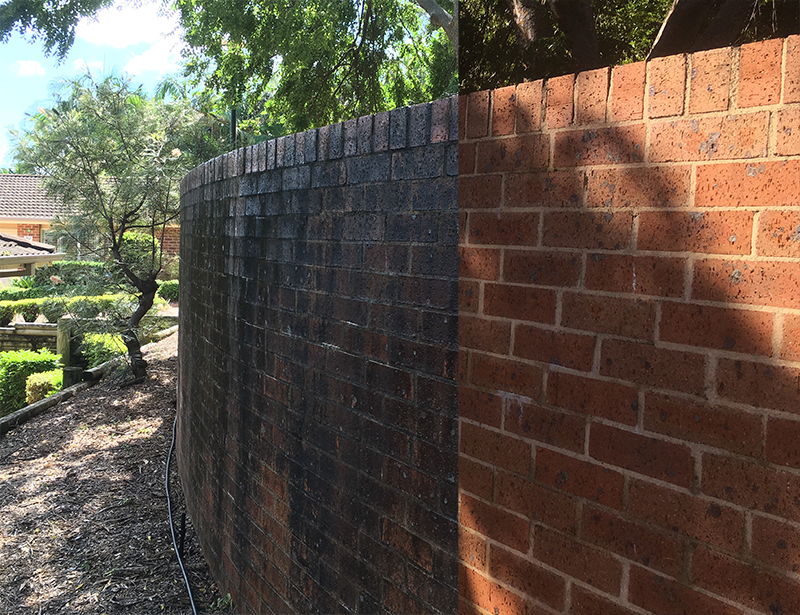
[171, 525]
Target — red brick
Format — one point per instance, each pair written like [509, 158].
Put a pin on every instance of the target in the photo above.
[565, 431]
[776, 544]
[665, 461]
[626, 317]
[790, 347]
[529, 106]
[779, 232]
[559, 108]
[667, 84]
[607, 145]
[604, 230]
[478, 589]
[502, 526]
[482, 334]
[412, 547]
[479, 192]
[541, 267]
[759, 384]
[570, 350]
[503, 110]
[632, 541]
[585, 602]
[731, 429]
[553, 189]
[478, 263]
[708, 232]
[468, 295]
[783, 442]
[710, 81]
[695, 517]
[523, 153]
[744, 331]
[504, 228]
[480, 406]
[665, 597]
[641, 275]
[527, 577]
[627, 92]
[592, 86]
[791, 71]
[540, 504]
[506, 376]
[462, 116]
[757, 184]
[475, 478]
[472, 549]
[520, 302]
[466, 158]
[477, 115]
[752, 486]
[578, 560]
[583, 478]
[760, 73]
[638, 187]
[658, 367]
[608, 400]
[745, 584]
[495, 448]
[751, 282]
[787, 131]
[709, 138]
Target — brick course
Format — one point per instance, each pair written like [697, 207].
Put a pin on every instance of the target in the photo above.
[641, 317]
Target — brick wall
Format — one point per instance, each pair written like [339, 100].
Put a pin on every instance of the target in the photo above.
[317, 401]
[171, 241]
[30, 230]
[630, 339]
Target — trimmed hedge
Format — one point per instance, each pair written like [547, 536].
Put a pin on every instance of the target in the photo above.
[97, 348]
[168, 290]
[15, 367]
[42, 385]
[65, 277]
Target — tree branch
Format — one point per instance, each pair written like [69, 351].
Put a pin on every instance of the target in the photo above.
[441, 18]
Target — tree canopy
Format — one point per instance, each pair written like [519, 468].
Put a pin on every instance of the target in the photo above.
[114, 157]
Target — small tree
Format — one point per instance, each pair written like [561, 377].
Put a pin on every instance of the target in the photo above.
[112, 155]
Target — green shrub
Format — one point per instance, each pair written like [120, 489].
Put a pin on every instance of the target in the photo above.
[52, 308]
[7, 312]
[27, 308]
[81, 306]
[140, 251]
[98, 348]
[72, 277]
[15, 367]
[13, 293]
[42, 385]
[168, 290]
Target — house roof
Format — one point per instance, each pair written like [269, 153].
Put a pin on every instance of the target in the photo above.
[20, 256]
[10, 245]
[22, 197]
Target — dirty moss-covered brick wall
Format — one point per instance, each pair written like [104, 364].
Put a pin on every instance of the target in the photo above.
[630, 339]
[318, 419]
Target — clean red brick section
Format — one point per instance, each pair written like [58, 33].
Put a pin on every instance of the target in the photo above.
[631, 339]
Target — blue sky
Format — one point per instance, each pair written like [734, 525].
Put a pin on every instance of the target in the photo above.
[138, 41]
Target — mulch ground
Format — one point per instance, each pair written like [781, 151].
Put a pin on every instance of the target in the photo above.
[83, 510]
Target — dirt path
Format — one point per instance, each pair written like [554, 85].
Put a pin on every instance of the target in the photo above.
[83, 513]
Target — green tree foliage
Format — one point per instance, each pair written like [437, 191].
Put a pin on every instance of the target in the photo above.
[51, 21]
[493, 53]
[113, 155]
[294, 64]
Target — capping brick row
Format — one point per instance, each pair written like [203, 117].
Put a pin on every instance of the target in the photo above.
[629, 365]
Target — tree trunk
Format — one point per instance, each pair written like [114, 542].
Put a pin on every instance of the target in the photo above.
[131, 338]
[523, 13]
[576, 21]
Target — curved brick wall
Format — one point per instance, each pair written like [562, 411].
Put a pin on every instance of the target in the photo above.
[630, 327]
[317, 403]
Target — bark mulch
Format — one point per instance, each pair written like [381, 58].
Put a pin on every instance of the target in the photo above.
[83, 512]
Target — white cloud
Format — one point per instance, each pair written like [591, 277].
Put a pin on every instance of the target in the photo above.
[123, 25]
[163, 57]
[28, 68]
